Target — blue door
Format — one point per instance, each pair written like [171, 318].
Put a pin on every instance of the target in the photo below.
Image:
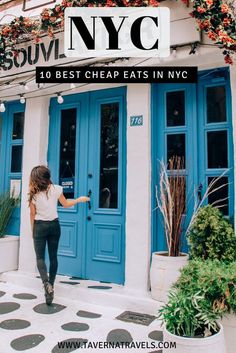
[87, 156]
[194, 121]
[11, 151]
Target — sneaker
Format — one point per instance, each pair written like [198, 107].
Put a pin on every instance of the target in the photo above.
[49, 293]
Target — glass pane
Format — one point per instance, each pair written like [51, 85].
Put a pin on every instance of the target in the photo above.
[219, 198]
[109, 146]
[175, 104]
[217, 149]
[67, 151]
[176, 146]
[18, 126]
[16, 159]
[216, 104]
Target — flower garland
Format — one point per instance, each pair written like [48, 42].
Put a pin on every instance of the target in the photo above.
[51, 19]
[215, 17]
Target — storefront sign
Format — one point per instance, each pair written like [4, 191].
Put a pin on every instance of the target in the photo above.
[47, 52]
[136, 120]
[67, 184]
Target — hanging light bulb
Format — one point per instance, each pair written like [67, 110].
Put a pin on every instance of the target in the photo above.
[2, 107]
[72, 86]
[60, 99]
[174, 52]
[22, 99]
[26, 87]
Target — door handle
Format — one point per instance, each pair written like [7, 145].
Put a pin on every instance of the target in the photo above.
[89, 202]
[199, 192]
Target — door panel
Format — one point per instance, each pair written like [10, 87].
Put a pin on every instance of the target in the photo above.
[67, 140]
[105, 236]
[87, 155]
[174, 123]
[194, 121]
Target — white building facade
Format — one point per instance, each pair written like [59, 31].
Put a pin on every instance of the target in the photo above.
[92, 148]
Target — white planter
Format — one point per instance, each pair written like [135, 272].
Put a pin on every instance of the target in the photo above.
[164, 272]
[212, 344]
[229, 324]
[9, 253]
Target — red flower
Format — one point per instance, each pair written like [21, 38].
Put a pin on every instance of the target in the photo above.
[226, 21]
[212, 35]
[228, 59]
[201, 9]
[209, 2]
[155, 3]
[224, 8]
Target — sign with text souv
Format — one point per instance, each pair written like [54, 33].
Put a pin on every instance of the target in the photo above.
[118, 74]
[117, 32]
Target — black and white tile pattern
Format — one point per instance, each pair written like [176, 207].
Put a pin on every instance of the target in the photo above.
[28, 324]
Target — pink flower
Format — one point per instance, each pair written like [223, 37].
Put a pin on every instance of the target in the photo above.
[201, 9]
[224, 8]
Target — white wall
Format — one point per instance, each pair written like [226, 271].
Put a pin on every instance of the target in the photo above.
[34, 153]
[138, 200]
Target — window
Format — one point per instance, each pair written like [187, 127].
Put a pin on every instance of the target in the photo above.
[17, 142]
[109, 151]
[67, 151]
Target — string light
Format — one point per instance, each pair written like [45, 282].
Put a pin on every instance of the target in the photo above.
[60, 99]
[22, 99]
[2, 107]
[24, 86]
[174, 52]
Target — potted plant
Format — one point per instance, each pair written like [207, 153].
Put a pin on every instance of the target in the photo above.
[211, 236]
[9, 245]
[203, 294]
[171, 202]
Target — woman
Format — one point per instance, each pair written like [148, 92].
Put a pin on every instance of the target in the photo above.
[43, 200]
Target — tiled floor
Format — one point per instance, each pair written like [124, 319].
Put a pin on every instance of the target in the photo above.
[28, 324]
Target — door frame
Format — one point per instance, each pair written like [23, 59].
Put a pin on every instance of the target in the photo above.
[72, 101]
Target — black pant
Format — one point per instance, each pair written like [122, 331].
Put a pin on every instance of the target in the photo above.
[46, 232]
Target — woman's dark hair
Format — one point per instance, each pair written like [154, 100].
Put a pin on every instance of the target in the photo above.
[40, 179]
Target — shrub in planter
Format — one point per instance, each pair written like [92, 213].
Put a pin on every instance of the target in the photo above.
[204, 292]
[211, 236]
[189, 315]
[215, 280]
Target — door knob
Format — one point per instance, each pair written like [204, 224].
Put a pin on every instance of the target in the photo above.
[89, 195]
[89, 218]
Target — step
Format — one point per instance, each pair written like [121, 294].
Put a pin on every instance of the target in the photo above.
[117, 296]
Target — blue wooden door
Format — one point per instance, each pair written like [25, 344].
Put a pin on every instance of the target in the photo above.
[87, 156]
[194, 121]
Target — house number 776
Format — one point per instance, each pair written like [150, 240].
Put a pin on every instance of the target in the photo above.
[136, 120]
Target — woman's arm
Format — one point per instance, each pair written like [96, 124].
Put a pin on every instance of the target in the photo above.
[69, 203]
[32, 214]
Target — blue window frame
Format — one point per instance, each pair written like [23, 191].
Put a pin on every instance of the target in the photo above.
[11, 151]
[194, 121]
